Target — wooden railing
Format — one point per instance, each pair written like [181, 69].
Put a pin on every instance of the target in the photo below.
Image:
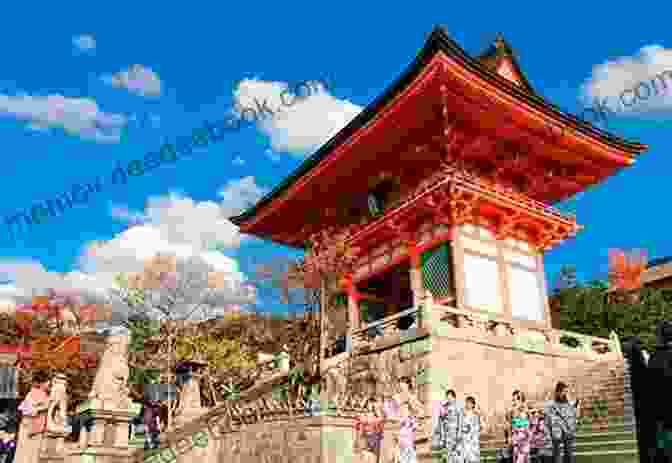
[383, 328]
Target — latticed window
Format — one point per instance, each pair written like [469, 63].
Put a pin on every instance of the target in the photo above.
[437, 275]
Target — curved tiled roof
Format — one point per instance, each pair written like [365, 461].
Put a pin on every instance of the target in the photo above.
[439, 41]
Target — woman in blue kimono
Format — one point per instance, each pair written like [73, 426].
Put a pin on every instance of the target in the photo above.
[447, 433]
[469, 441]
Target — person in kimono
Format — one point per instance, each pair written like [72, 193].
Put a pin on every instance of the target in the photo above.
[536, 435]
[469, 440]
[520, 428]
[560, 416]
[36, 400]
[447, 433]
[151, 419]
[369, 430]
[405, 408]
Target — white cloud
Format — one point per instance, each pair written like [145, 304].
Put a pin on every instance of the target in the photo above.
[618, 79]
[84, 42]
[136, 79]
[238, 195]
[77, 116]
[197, 224]
[30, 277]
[300, 124]
[179, 220]
[171, 224]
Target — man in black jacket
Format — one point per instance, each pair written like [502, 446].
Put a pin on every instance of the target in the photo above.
[640, 385]
[660, 381]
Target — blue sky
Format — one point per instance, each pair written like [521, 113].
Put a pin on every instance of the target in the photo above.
[179, 65]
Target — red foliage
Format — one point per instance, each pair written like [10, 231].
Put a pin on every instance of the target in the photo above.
[625, 269]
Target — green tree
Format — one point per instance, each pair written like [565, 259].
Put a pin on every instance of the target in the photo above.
[591, 309]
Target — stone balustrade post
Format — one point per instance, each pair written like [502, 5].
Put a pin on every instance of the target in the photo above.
[283, 362]
[191, 403]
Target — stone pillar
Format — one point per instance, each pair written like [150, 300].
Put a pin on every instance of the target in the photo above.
[58, 397]
[191, 400]
[112, 375]
[109, 408]
[282, 360]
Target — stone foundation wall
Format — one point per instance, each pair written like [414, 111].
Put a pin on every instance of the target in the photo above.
[319, 439]
[490, 369]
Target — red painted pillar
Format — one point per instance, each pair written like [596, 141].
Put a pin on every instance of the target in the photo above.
[353, 300]
[416, 271]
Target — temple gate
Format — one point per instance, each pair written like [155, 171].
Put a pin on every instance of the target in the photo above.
[442, 189]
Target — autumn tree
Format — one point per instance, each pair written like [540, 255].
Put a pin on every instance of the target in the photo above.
[625, 269]
[47, 335]
[165, 307]
[170, 289]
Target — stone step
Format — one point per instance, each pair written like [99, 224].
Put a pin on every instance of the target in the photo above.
[608, 385]
[588, 383]
[595, 446]
[618, 456]
[612, 424]
[587, 401]
[602, 456]
[584, 437]
[598, 380]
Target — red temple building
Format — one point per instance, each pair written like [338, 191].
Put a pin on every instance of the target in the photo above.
[444, 186]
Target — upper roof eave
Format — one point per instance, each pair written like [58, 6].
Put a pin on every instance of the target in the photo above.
[438, 40]
[510, 54]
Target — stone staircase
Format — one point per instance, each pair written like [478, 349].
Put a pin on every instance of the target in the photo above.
[606, 431]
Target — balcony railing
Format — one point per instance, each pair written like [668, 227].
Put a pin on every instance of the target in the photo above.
[524, 338]
[385, 328]
[443, 320]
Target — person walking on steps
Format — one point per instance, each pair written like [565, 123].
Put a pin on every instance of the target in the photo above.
[560, 417]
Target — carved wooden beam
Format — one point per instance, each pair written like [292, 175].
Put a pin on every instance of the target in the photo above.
[461, 211]
[552, 235]
[506, 225]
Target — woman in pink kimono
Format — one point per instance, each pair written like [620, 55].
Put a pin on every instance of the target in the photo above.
[36, 400]
[369, 428]
[520, 428]
[405, 407]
